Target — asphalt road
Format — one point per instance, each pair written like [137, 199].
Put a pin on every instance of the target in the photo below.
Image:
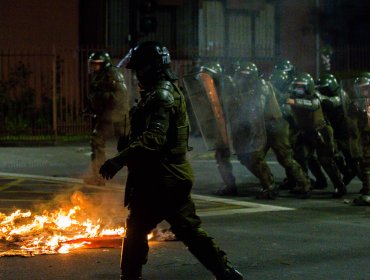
[288, 238]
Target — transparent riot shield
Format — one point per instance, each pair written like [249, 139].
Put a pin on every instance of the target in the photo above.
[245, 110]
[207, 107]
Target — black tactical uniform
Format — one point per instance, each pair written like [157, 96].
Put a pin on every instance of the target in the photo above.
[256, 92]
[159, 176]
[108, 103]
[315, 133]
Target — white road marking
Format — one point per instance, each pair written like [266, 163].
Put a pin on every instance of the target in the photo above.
[238, 207]
[232, 161]
[250, 207]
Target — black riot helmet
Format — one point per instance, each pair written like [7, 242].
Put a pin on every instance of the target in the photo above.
[327, 85]
[286, 66]
[303, 85]
[362, 87]
[99, 61]
[151, 61]
[280, 80]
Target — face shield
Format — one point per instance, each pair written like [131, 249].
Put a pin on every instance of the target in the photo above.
[363, 90]
[95, 65]
[298, 90]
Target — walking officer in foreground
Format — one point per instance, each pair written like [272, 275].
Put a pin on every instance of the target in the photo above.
[160, 177]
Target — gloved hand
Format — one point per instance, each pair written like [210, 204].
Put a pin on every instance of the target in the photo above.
[110, 168]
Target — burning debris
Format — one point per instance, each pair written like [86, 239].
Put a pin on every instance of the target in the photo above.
[71, 226]
[77, 222]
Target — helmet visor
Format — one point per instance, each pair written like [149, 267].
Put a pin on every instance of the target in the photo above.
[95, 65]
[299, 90]
[363, 91]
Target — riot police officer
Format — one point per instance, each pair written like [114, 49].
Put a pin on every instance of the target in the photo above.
[160, 177]
[281, 78]
[331, 95]
[225, 88]
[108, 103]
[286, 66]
[358, 114]
[315, 133]
[258, 96]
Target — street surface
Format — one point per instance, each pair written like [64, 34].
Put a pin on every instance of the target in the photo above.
[288, 238]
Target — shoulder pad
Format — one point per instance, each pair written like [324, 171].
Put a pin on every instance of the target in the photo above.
[163, 94]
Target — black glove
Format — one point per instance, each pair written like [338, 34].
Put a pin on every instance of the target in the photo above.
[110, 168]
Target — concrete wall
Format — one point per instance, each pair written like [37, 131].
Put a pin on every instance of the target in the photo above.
[38, 23]
[297, 37]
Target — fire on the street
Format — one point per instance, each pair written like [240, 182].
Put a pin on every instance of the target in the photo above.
[78, 222]
[60, 231]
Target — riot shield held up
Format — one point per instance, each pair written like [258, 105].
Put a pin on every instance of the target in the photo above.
[245, 109]
[207, 107]
[247, 124]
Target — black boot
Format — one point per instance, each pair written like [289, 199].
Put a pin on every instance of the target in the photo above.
[270, 193]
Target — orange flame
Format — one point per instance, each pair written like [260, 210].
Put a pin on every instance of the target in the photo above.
[51, 232]
[57, 231]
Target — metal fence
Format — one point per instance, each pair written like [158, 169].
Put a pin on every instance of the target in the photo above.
[43, 92]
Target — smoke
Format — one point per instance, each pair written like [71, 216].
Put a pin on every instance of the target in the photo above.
[104, 206]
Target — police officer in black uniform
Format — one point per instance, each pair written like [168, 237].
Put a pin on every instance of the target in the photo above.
[160, 177]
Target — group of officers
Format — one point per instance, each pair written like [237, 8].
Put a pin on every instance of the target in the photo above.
[312, 126]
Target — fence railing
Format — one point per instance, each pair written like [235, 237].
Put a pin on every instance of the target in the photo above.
[43, 92]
